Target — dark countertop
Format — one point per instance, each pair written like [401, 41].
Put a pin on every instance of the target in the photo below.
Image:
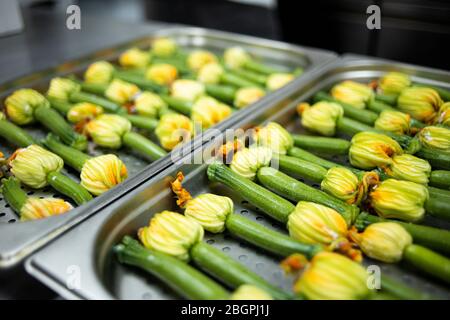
[47, 42]
[44, 43]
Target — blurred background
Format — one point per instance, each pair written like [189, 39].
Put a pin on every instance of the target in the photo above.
[414, 31]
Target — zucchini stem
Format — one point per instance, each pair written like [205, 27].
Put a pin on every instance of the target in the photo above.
[142, 122]
[267, 239]
[438, 160]
[62, 106]
[137, 142]
[428, 261]
[301, 168]
[438, 207]
[308, 156]
[321, 144]
[72, 157]
[257, 78]
[95, 88]
[259, 67]
[13, 194]
[140, 81]
[68, 187]
[390, 99]
[229, 271]
[378, 106]
[270, 203]
[221, 92]
[15, 135]
[182, 278]
[295, 190]
[182, 106]
[53, 121]
[232, 79]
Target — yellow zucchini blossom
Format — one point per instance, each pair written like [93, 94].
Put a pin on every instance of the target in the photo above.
[134, 58]
[247, 161]
[435, 138]
[83, 111]
[99, 174]
[317, 224]
[343, 184]
[164, 47]
[199, 58]
[331, 276]
[384, 241]
[162, 73]
[277, 80]
[149, 104]
[173, 129]
[444, 114]
[210, 210]
[171, 233]
[275, 137]
[187, 89]
[353, 93]
[208, 112]
[107, 130]
[321, 117]
[121, 92]
[248, 95]
[210, 73]
[369, 150]
[236, 57]
[421, 103]
[36, 208]
[99, 72]
[394, 121]
[394, 82]
[403, 200]
[410, 168]
[31, 165]
[250, 292]
[62, 88]
[21, 104]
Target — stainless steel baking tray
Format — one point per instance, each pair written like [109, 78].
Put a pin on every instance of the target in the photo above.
[19, 239]
[87, 248]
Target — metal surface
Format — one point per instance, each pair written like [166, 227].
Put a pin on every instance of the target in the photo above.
[87, 248]
[17, 240]
[285, 55]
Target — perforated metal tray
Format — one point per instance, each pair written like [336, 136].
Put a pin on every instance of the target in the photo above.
[17, 240]
[87, 248]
